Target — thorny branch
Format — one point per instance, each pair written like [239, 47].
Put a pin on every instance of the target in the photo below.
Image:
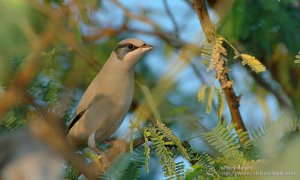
[232, 100]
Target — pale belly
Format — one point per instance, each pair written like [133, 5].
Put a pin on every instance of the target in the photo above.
[111, 124]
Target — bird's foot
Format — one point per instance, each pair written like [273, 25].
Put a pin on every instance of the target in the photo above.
[104, 158]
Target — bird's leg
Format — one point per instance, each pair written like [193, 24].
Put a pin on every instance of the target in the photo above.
[118, 144]
[92, 145]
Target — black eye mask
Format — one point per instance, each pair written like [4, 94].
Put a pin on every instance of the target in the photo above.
[122, 49]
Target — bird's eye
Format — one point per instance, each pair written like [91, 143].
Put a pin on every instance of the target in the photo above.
[130, 46]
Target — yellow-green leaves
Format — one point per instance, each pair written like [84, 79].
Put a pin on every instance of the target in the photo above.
[206, 94]
[201, 93]
[210, 95]
[162, 137]
[215, 53]
[297, 59]
[220, 107]
[253, 63]
[133, 125]
[147, 148]
[169, 133]
[223, 139]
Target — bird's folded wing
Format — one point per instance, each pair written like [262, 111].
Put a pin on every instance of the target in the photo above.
[84, 103]
[100, 105]
[75, 119]
[88, 96]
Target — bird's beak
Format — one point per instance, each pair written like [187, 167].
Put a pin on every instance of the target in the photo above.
[148, 47]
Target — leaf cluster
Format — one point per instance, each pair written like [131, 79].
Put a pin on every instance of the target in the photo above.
[206, 94]
[163, 140]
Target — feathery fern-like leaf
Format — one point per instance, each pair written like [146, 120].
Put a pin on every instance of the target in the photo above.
[221, 138]
[203, 159]
[289, 125]
[204, 162]
[253, 63]
[166, 157]
[170, 135]
[213, 52]
[128, 166]
[147, 134]
[243, 138]
[201, 93]
[210, 95]
[136, 162]
[161, 138]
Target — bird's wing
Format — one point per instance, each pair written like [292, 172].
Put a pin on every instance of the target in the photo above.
[84, 103]
[100, 105]
[75, 119]
[87, 97]
[98, 116]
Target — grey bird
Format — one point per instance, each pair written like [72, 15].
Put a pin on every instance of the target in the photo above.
[107, 100]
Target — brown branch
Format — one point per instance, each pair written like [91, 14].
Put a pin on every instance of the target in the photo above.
[207, 25]
[231, 98]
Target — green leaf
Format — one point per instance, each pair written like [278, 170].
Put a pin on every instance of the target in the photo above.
[220, 107]
[253, 63]
[224, 141]
[210, 96]
[147, 148]
[201, 93]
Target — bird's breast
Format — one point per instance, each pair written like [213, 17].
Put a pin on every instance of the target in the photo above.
[119, 87]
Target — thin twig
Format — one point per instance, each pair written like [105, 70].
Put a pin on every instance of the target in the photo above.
[277, 92]
[207, 25]
[172, 18]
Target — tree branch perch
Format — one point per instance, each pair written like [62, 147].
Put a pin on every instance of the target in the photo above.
[232, 99]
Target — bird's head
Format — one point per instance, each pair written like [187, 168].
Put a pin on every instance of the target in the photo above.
[129, 51]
